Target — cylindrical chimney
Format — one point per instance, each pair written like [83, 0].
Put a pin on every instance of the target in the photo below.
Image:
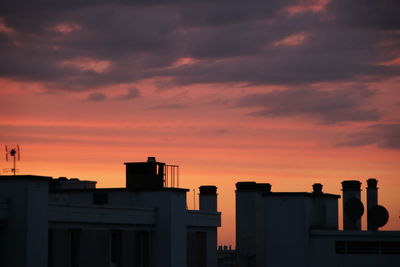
[317, 188]
[372, 201]
[353, 208]
[208, 198]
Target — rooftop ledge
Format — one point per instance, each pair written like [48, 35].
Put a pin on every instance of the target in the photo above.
[25, 177]
[344, 233]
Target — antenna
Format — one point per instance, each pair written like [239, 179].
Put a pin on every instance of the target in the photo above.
[14, 152]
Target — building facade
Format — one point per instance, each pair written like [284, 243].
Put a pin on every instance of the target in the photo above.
[70, 223]
[275, 229]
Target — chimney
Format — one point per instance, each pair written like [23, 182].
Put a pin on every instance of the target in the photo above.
[377, 215]
[208, 198]
[317, 189]
[353, 208]
[372, 200]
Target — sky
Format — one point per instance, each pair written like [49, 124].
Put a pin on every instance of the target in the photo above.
[286, 92]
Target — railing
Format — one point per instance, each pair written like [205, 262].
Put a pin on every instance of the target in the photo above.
[171, 176]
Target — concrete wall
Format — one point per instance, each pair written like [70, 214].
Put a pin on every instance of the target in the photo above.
[95, 245]
[27, 225]
[286, 230]
[249, 221]
[323, 249]
[194, 252]
[154, 221]
[2, 244]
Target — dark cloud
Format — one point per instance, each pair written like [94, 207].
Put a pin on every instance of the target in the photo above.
[131, 94]
[231, 41]
[381, 135]
[97, 97]
[327, 106]
[380, 14]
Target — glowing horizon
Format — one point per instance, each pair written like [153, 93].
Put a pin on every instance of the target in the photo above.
[286, 92]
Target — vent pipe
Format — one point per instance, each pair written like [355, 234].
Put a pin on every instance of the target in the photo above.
[208, 198]
[353, 208]
[372, 201]
[377, 215]
[317, 189]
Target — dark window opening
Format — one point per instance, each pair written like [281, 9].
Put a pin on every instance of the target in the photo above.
[50, 248]
[100, 198]
[2, 243]
[367, 247]
[115, 248]
[74, 247]
[196, 245]
[201, 238]
[141, 249]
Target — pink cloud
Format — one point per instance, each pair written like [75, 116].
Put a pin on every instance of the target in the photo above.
[87, 64]
[4, 28]
[292, 40]
[307, 5]
[66, 27]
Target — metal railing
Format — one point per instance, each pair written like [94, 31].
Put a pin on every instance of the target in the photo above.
[171, 176]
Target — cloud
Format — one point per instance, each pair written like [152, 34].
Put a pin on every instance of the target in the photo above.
[131, 94]
[96, 97]
[223, 131]
[169, 106]
[385, 136]
[66, 47]
[327, 106]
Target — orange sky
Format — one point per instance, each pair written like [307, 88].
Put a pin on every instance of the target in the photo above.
[212, 145]
[286, 92]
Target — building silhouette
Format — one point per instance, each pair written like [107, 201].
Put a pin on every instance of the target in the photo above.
[69, 223]
[226, 256]
[275, 229]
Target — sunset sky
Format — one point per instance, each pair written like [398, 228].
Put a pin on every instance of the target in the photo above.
[286, 92]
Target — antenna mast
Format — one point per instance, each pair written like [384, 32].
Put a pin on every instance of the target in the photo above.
[14, 152]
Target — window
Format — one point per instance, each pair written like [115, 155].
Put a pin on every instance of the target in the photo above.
[196, 249]
[115, 248]
[50, 248]
[201, 239]
[74, 247]
[367, 247]
[100, 198]
[141, 249]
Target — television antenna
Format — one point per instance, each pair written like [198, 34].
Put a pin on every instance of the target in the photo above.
[14, 152]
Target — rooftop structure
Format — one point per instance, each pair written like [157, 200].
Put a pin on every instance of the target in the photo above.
[69, 222]
[301, 228]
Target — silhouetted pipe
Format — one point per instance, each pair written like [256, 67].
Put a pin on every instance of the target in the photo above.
[372, 201]
[317, 188]
[352, 205]
[208, 198]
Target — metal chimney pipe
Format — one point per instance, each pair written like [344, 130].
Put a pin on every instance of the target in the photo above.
[208, 198]
[372, 201]
[352, 205]
[317, 188]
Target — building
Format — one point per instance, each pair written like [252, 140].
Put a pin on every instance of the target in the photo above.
[68, 222]
[275, 229]
[226, 256]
